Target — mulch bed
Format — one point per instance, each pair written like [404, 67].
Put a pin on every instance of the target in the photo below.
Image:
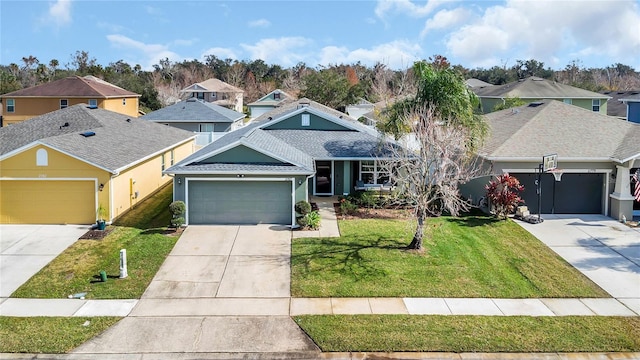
[95, 234]
[381, 213]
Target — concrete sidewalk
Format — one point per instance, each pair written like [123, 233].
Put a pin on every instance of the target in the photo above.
[316, 306]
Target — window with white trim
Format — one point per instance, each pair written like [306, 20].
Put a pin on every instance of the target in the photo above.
[595, 105]
[306, 120]
[172, 158]
[372, 172]
[206, 127]
[11, 105]
[162, 160]
[93, 103]
[568, 101]
[42, 157]
[64, 103]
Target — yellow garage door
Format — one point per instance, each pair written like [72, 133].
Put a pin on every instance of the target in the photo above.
[47, 202]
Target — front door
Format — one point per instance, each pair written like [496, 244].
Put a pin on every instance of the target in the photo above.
[324, 178]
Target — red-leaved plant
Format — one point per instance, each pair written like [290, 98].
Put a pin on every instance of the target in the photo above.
[503, 194]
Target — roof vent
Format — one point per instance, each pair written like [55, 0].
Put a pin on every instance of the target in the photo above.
[128, 120]
[64, 125]
[88, 133]
[536, 104]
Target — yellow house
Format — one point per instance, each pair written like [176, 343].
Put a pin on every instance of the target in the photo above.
[26, 103]
[58, 168]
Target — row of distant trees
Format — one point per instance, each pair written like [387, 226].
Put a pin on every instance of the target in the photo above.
[333, 85]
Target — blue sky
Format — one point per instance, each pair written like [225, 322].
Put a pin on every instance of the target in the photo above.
[396, 33]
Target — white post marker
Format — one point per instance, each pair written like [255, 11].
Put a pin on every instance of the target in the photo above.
[123, 264]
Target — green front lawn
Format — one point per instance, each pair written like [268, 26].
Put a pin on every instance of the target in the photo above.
[472, 333]
[49, 335]
[140, 231]
[472, 256]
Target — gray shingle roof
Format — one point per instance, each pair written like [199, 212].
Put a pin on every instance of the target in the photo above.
[554, 127]
[263, 101]
[536, 88]
[119, 140]
[615, 106]
[300, 147]
[194, 110]
[239, 168]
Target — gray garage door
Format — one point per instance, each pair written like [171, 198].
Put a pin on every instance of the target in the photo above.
[239, 202]
[575, 194]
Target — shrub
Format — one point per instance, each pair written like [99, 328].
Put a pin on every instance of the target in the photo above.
[347, 207]
[177, 209]
[367, 199]
[303, 207]
[310, 220]
[503, 194]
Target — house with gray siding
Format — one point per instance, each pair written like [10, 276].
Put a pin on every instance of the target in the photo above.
[207, 120]
[632, 102]
[257, 173]
[597, 155]
[218, 92]
[272, 100]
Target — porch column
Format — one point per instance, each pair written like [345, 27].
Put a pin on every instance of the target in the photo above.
[621, 199]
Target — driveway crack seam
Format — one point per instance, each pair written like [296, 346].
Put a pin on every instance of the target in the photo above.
[198, 335]
[226, 264]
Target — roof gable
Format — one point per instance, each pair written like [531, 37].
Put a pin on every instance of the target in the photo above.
[317, 121]
[536, 88]
[212, 85]
[74, 86]
[194, 110]
[241, 154]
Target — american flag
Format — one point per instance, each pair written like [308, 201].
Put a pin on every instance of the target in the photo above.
[636, 193]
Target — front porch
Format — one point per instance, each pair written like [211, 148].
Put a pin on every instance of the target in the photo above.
[342, 177]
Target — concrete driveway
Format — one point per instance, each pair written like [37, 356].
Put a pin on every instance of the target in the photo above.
[222, 289]
[604, 250]
[25, 249]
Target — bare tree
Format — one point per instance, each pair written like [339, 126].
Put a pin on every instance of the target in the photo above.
[431, 166]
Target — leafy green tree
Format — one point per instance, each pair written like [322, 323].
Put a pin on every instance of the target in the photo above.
[330, 88]
[509, 103]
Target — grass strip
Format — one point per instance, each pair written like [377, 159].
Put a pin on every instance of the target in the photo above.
[77, 269]
[49, 335]
[337, 333]
[471, 256]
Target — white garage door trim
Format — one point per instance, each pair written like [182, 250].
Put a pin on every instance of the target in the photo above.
[577, 171]
[240, 179]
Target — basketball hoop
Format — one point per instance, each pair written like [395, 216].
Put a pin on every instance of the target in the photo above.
[557, 173]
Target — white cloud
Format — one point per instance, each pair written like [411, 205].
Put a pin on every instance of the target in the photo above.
[145, 54]
[445, 19]
[184, 42]
[220, 53]
[263, 23]
[550, 32]
[284, 51]
[384, 7]
[396, 55]
[59, 13]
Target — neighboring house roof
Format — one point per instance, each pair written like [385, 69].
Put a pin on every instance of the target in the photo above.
[268, 99]
[616, 106]
[632, 97]
[476, 83]
[119, 141]
[528, 132]
[536, 88]
[194, 110]
[299, 148]
[74, 86]
[212, 85]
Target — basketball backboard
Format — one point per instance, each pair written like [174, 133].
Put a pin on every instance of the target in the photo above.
[549, 162]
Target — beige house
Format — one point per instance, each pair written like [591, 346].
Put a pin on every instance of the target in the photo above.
[26, 103]
[217, 92]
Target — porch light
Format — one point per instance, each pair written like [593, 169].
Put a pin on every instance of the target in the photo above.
[101, 187]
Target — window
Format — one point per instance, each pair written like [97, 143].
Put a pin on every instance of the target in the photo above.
[171, 162]
[93, 103]
[200, 96]
[306, 119]
[124, 102]
[162, 160]
[276, 96]
[64, 103]
[11, 105]
[42, 157]
[372, 172]
[595, 105]
[206, 127]
[568, 101]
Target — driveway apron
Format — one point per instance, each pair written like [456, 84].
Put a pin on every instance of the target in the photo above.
[604, 250]
[223, 288]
